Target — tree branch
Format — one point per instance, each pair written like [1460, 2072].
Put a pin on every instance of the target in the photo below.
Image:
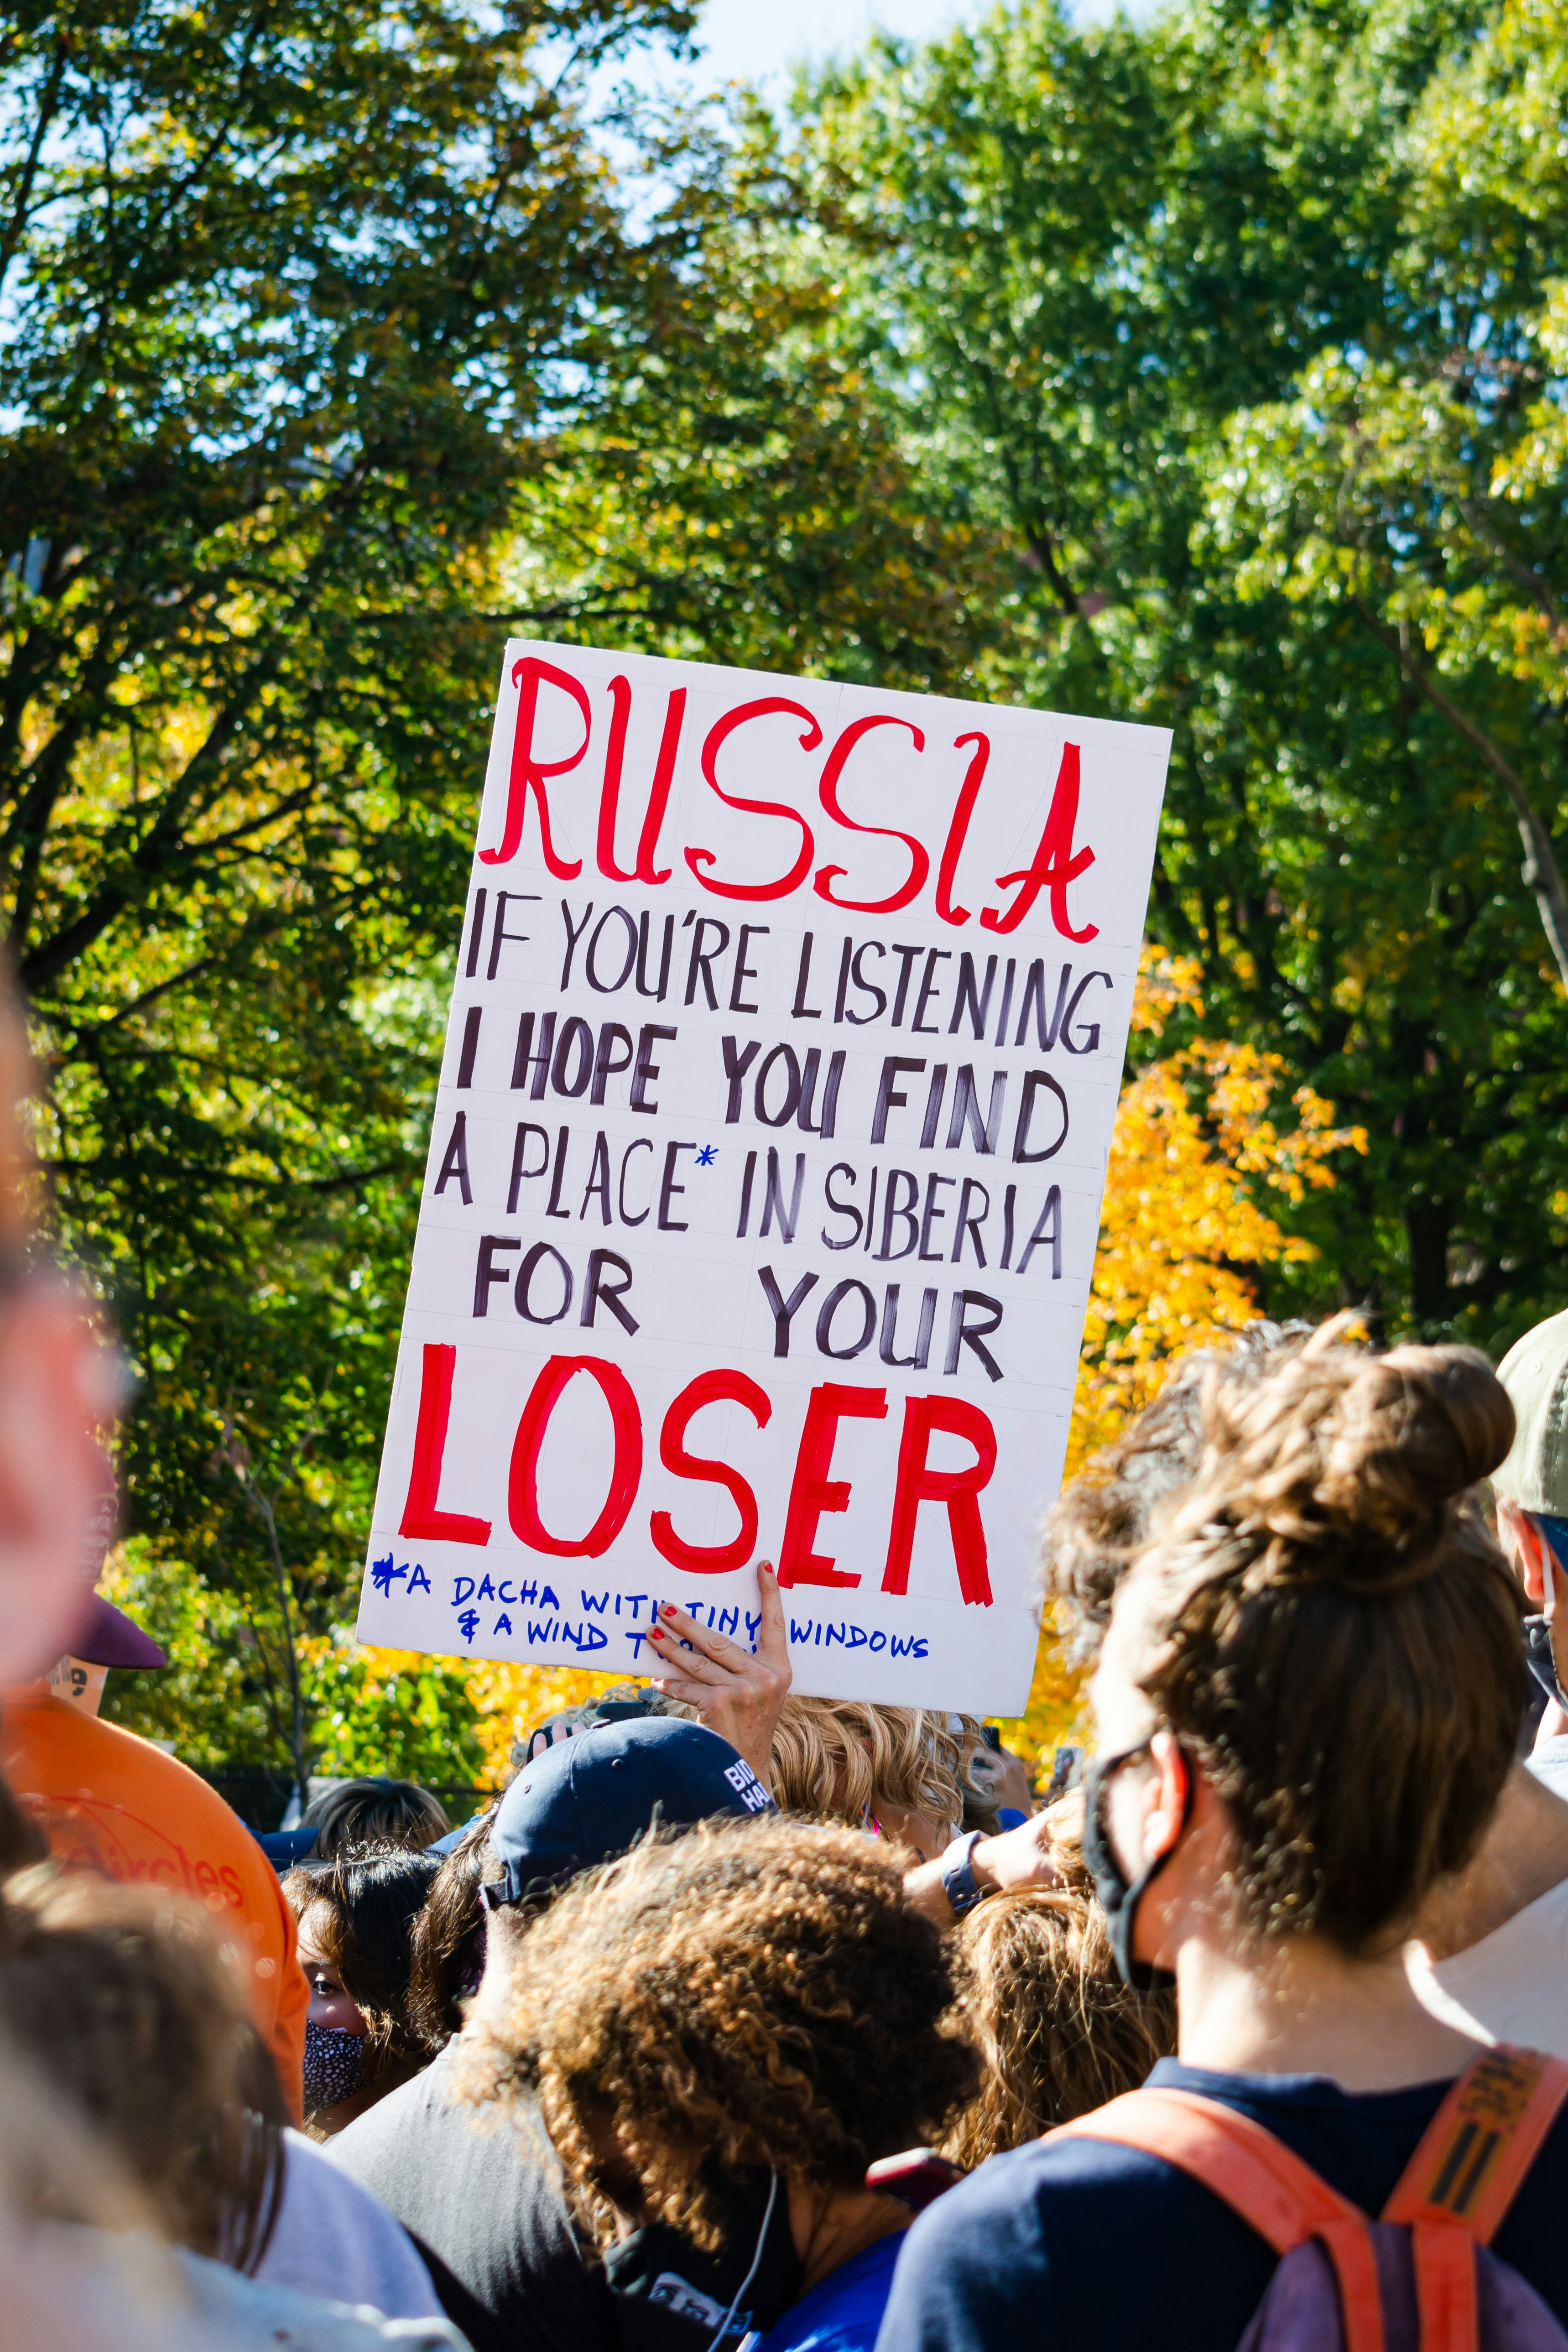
[47, 106]
[1540, 872]
[1475, 513]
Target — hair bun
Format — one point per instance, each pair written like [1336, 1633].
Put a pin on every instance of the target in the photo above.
[1343, 1465]
[1427, 1420]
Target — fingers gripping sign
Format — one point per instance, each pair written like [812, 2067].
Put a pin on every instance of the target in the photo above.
[736, 1693]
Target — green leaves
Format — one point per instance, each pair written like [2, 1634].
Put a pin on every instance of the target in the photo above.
[1210, 372]
[292, 298]
[1236, 332]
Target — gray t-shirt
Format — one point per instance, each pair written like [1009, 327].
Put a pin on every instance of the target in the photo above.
[477, 2195]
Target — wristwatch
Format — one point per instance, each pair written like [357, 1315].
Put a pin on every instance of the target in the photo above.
[958, 1880]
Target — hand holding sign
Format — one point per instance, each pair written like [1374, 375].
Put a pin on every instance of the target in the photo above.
[736, 1693]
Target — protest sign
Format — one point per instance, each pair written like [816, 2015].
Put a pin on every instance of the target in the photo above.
[766, 1174]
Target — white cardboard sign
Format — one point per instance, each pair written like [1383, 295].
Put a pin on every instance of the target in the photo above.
[764, 1180]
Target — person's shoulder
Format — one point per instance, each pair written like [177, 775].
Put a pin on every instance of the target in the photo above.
[1546, 1918]
[1544, 1922]
[1549, 1763]
[1511, 1986]
[314, 2170]
[1020, 2208]
[391, 2127]
[1033, 2247]
[1010, 2255]
[396, 2135]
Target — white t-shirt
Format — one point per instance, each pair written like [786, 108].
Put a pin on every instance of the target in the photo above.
[333, 2237]
[1511, 1986]
[1549, 1762]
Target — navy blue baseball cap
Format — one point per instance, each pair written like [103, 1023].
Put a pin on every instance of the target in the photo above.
[590, 1797]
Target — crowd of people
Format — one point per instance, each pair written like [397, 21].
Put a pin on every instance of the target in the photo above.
[744, 2021]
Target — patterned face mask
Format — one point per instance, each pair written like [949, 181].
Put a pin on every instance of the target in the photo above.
[334, 2062]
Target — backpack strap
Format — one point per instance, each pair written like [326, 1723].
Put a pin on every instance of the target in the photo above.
[1464, 2176]
[1259, 2178]
[1481, 2142]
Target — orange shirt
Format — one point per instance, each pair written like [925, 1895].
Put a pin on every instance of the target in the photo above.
[108, 1802]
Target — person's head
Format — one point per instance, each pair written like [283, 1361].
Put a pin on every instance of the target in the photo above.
[449, 1939]
[356, 1922]
[584, 1799]
[896, 1768]
[743, 1995]
[131, 2007]
[1532, 1483]
[373, 1810]
[1314, 1674]
[1103, 1517]
[1058, 2031]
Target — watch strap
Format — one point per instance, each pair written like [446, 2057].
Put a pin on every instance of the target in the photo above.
[958, 1880]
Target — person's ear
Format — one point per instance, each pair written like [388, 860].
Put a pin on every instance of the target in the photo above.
[1167, 1815]
[1525, 1548]
[1553, 1582]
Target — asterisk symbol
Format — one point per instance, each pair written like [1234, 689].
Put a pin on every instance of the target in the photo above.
[706, 1157]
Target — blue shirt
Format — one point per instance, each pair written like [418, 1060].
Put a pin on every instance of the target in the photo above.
[1081, 2246]
[843, 2311]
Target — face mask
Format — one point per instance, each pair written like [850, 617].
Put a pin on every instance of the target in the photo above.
[672, 2297]
[1119, 1897]
[334, 2063]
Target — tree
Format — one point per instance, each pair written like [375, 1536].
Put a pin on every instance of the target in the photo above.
[1077, 264]
[742, 494]
[1208, 372]
[292, 299]
[1420, 485]
[299, 307]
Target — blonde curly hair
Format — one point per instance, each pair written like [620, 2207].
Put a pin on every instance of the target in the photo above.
[838, 1758]
[743, 1994]
[1057, 2030]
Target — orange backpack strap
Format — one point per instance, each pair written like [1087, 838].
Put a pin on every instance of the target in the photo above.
[1481, 2142]
[1463, 2177]
[1259, 2177]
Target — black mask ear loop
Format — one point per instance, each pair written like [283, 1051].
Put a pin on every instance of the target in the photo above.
[1119, 1897]
[1540, 1661]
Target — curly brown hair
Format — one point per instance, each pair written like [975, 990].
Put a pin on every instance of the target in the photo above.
[751, 1992]
[1060, 2032]
[1326, 1620]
